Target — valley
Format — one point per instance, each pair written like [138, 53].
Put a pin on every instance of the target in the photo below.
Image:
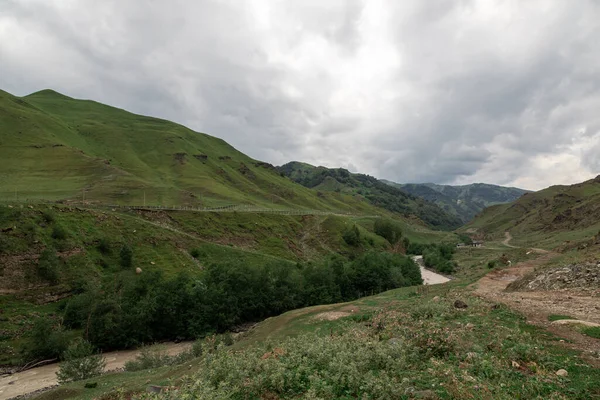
[278, 282]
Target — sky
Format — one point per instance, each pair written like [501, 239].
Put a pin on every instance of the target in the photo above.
[451, 92]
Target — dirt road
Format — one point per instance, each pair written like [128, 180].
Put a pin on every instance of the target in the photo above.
[537, 306]
[508, 238]
[42, 377]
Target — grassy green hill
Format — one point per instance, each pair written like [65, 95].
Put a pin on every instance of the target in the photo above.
[87, 155]
[548, 217]
[339, 180]
[50, 253]
[464, 201]
[54, 147]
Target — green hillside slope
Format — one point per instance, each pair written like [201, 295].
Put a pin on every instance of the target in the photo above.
[339, 180]
[54, 147]
[547, 217]
[464, 201]
[51, 253]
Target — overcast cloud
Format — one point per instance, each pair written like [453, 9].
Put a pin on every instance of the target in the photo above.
[504, 92]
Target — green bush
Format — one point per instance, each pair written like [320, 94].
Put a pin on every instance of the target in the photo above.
[492, 264]
[148, 357]
[126, 257]
[352, 236]
[48, 266]
[155, 357]
[195, 253]
[58, 232]
[466, 239]
[80, 362]
[104, 246]
[48, 216]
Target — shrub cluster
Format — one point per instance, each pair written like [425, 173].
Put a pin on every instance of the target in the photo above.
[151, 308]
[435, 256]
[389, 230]
[80, 362]
[48, 266]
[47, 341]
[439, 258]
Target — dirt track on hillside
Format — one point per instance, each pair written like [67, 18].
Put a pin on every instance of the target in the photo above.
[537, 306]
[43, 377]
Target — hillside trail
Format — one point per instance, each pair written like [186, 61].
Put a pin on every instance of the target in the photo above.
[43, 377]
[538, 305]
[508, 238]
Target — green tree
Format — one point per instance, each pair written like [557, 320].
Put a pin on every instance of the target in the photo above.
[47, 341]
[388, 230]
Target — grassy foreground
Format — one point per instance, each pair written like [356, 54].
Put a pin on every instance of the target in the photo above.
[397, 345]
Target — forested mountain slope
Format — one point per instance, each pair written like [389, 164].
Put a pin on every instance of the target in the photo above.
[464, 201]
[378, 193]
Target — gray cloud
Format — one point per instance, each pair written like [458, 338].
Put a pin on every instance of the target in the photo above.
[446, 91]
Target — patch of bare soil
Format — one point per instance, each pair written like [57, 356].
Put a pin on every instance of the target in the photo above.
[331, 315]
[538, 305]
[43, 377]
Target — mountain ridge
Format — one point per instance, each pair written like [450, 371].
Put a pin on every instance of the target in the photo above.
[463, 201]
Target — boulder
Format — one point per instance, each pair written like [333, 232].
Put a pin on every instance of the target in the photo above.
[460, 304]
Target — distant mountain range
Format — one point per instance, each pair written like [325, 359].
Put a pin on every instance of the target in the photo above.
[376, 192]
[464, 201]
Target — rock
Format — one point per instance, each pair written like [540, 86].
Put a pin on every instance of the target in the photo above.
[515, 364]
[460, 304]
[562, 372]
[469, 326]
[436, 298]
[138, 270]
[152, 262]
[154, 389]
